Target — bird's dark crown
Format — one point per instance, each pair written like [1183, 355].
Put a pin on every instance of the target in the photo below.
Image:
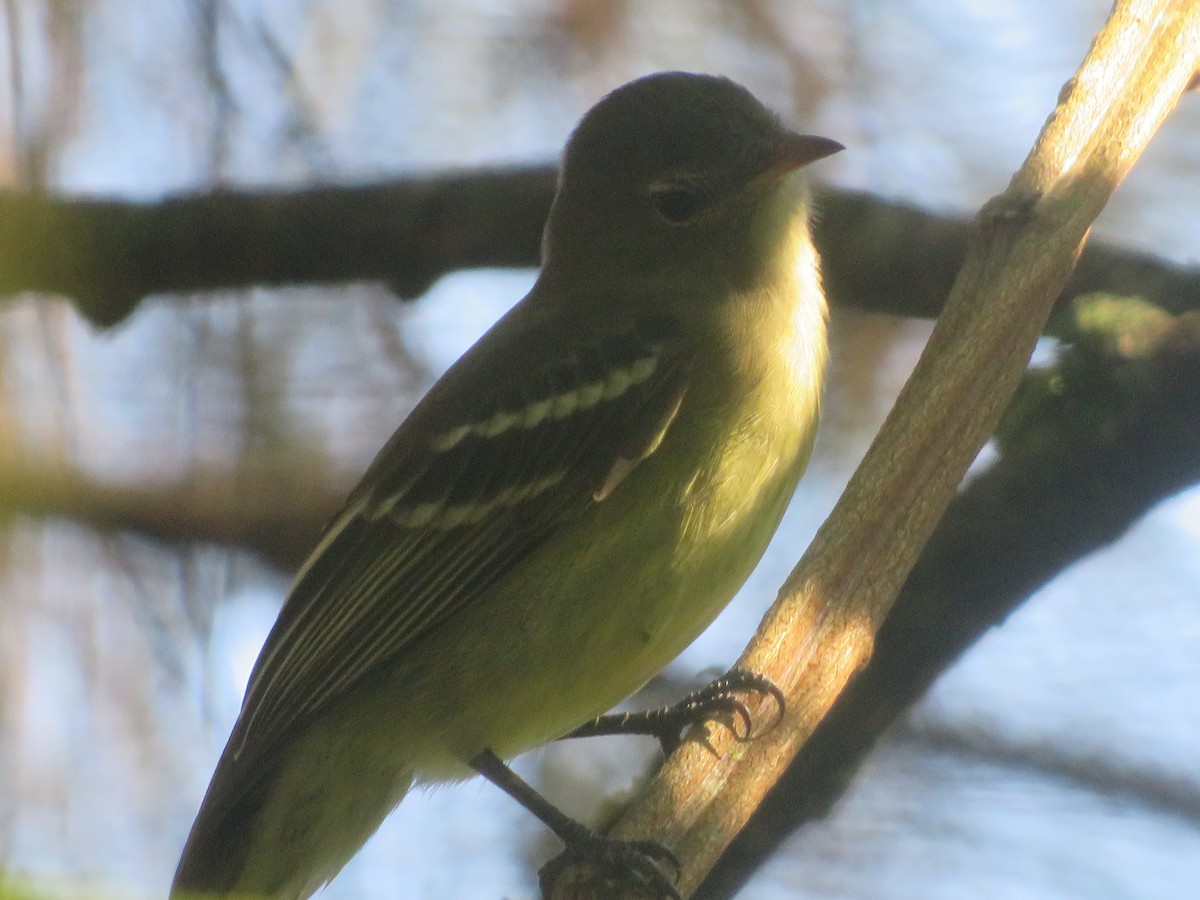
[673, 123]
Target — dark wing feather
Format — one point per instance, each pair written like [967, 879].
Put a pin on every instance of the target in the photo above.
[441, 515]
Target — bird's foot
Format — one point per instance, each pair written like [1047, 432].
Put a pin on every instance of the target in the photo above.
[624, 868]
[668, 725]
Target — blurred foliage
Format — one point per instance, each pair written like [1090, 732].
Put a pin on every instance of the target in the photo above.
[1094, 378]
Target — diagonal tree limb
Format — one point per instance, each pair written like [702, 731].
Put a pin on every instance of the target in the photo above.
[1119, 432]
[820, 631]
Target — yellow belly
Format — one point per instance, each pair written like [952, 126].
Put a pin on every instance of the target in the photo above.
[578, 627]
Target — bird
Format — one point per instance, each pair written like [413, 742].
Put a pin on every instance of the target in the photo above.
[565, 510]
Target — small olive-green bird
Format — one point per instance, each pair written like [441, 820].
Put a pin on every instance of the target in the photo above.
[564, 511]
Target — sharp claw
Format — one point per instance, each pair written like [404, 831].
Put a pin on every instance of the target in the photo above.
[780, 701]
[739, 716]
[746, 679]
[657, 851]
[669, 724]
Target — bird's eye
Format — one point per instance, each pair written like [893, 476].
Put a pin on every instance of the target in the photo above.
[677, 204]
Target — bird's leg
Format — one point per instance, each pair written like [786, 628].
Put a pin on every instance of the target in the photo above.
[669, 723]
[636, 859]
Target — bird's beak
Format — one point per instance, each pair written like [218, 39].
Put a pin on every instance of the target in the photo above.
[795, 150]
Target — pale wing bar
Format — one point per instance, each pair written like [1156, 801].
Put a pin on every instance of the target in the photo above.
[473, 502]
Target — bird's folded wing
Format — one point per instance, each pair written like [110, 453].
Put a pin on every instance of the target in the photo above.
[441, 516]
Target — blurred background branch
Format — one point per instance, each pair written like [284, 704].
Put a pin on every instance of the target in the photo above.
[107, 255]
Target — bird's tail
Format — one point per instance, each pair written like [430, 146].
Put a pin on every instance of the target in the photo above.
[282, 839]
[219, 846]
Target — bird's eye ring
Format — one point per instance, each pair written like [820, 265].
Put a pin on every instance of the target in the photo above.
[676, 203]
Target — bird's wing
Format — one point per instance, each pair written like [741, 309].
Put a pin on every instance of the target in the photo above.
[442, 515]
